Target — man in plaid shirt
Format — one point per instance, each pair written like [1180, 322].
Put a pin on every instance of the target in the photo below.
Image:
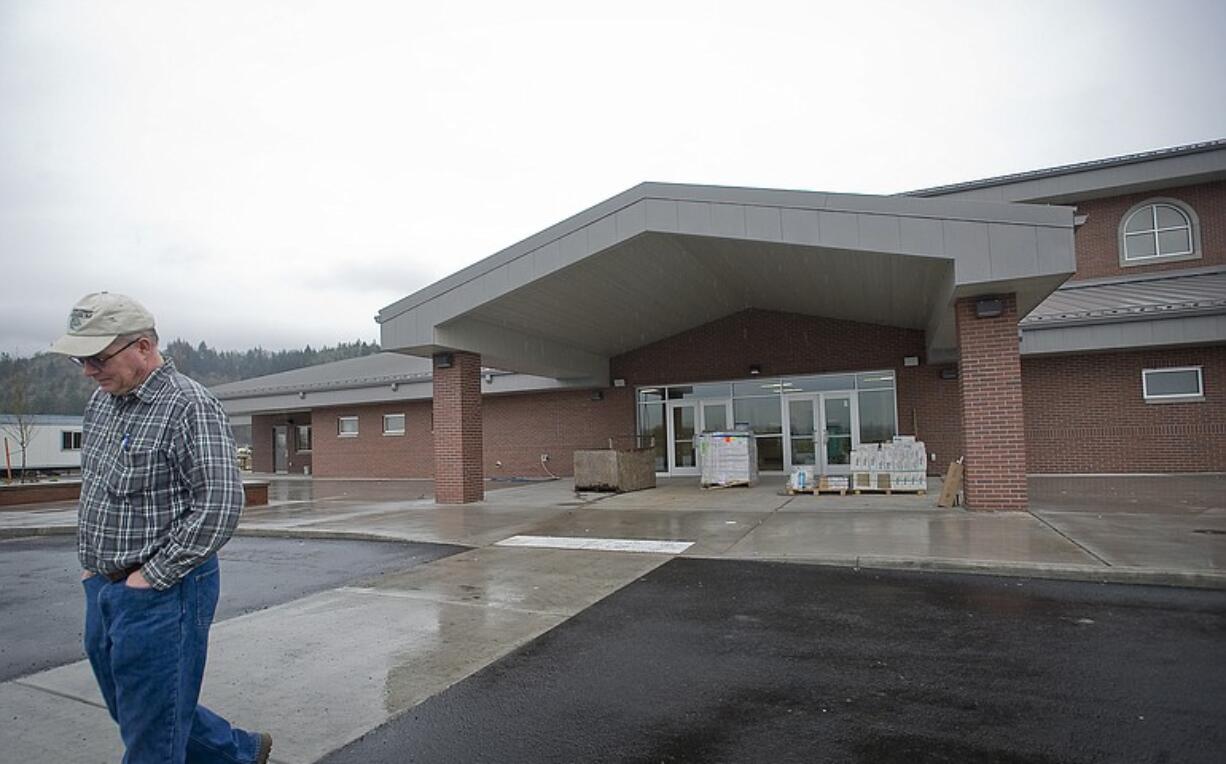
[160, 494]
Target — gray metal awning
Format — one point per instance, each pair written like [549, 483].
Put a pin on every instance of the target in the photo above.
[1157, 309]
[659, 259]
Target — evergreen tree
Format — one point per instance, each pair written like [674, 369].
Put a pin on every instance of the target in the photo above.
[54, 385]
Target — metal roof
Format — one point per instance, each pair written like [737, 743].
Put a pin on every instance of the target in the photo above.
[369, 379]
[1130, 299]
[370, 370]
[43, 419]
[1069, 169]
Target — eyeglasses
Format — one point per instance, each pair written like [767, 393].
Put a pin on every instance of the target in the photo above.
[98, 361]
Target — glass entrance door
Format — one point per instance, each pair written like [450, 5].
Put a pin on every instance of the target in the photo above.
[821, 431]
[802, 424]
[838, 432]
[686, 419]
[682, 455]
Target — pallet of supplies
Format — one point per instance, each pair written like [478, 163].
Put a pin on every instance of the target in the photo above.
[728, 458]
[899, 465]
[806, 479]
[833, 484]
[802, 480]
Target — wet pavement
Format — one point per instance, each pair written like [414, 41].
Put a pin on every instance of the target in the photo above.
[43, 612]
[703, 660]
[323, 669]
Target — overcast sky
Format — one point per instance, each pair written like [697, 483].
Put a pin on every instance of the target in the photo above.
[273, 173]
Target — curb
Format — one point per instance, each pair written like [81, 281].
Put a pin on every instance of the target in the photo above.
[332, 535]
[38, 530]
[1082, 573]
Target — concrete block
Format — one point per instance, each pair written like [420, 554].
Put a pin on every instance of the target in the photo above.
[618, 471]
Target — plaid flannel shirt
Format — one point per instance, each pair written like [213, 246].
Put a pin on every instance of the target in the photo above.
[160, 485]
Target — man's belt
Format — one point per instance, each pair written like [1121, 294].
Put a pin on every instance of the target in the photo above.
[121, 575]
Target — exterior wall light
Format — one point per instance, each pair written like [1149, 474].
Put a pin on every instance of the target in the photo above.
[619, 382]
[911, 360]
[755, 370]
[301, 395]
[395, 386]
[489, 379]
[989, 307]
[950, 373]
[443, 360]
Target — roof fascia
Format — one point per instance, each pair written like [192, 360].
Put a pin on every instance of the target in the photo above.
[972, 211]
[1197, 163]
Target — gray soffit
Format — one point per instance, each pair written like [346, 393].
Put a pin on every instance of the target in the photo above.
[1133, 173]
[660, 259]
[1155, 310]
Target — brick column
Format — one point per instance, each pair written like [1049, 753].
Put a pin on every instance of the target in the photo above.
[458, 477]
[990, 387]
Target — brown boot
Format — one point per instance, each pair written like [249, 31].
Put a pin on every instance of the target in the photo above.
[261, 756]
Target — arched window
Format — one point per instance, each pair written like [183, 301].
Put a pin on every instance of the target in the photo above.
[1159, 229]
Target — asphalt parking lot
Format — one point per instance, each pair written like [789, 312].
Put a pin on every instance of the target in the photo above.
[43, 611]
[712, 660]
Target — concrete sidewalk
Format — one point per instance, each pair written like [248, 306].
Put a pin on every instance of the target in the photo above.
[321, 671]
[1159, 530]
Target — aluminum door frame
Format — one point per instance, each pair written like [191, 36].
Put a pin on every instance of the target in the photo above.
[854, 411]
[699, 427]
[819, 429]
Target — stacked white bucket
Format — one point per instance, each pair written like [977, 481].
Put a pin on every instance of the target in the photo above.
[899, 465]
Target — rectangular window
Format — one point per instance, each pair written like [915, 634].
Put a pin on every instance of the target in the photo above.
[393, 424]
[304, 437]
[347, 426]
[762, 415]
[70, 441]
[876, 416]
[1180, 384]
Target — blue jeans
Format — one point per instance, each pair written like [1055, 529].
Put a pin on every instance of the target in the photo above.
[147, 649]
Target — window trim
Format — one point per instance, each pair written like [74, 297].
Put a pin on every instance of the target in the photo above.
[75, 439]
[403, 426]
[1193, 233]
[1173, 397]
[340, 433]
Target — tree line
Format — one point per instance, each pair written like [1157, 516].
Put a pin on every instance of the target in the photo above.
[48, 383]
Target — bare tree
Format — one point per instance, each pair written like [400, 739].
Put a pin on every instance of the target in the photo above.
[19, 422]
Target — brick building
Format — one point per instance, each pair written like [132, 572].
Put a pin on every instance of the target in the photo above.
[1067, 320]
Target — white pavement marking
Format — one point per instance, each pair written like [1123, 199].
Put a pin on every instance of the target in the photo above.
[599, 545]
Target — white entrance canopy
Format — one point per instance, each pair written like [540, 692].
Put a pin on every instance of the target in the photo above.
[659, 259]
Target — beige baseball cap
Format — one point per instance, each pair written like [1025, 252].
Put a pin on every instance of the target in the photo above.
[97, 320]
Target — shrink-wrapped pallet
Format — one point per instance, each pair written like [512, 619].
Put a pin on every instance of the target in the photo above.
[728, 458]
[899, 465]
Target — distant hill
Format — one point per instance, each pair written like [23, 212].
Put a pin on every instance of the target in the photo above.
[51, 384]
